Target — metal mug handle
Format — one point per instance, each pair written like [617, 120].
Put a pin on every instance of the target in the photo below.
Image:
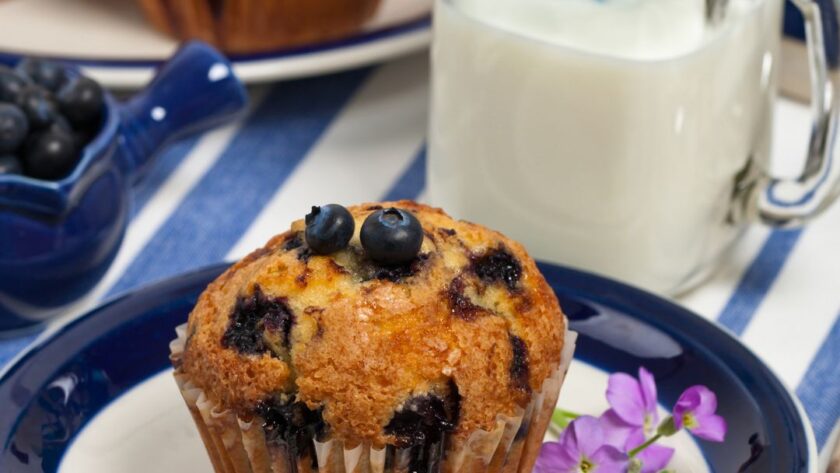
[792, 202]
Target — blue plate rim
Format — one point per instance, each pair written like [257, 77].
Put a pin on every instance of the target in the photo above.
[613, 290]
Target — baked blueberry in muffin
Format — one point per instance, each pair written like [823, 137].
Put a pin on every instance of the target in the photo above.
[381, 337]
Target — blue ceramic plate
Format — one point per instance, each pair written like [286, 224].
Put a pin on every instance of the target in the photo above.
[96, 395]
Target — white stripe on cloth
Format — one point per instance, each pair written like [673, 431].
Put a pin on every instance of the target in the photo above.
[423, 197]
[166, 199]
[795, 317]
[361, 154]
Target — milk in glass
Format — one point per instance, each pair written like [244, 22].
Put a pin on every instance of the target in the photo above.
[606, 135]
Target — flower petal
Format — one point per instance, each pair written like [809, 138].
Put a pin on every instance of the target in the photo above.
[609, 459]
[616, 431]
[655, 458]
[625, 397]
[697, 399]
[687, 402]
[553, 457]
[710, 427]
[678, 417]
[583, 436]
[708, 401]
[648, 387]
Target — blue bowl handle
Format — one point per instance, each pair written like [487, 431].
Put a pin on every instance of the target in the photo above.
[194, 90]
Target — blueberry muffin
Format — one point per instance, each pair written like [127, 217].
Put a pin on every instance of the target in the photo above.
[254, 26]
[381, 337]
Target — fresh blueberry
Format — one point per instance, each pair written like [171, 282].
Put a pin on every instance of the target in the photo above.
[392, 236]
[50, 155]
[329, 228]
[61, 124]
[81, 100]
[12, 85]
[10, 164]
[13, 127]
[85, 136]
[48, 74]
[38, 106]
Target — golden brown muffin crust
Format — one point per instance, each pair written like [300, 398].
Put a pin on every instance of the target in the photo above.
[252, 26]
[471, 311]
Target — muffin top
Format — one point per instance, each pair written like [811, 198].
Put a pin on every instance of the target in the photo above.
[365, 352]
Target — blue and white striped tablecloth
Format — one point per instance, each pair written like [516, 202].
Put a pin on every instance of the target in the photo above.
[359, 136]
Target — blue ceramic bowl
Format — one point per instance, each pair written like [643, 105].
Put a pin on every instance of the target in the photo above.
[57, 238]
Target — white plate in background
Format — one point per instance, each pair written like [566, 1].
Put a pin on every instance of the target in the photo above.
[112, 42]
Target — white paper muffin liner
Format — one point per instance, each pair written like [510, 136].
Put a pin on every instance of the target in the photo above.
[239, 446]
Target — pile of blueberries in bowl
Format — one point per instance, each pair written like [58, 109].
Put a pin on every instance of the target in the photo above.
[48, 113]
[76, 152]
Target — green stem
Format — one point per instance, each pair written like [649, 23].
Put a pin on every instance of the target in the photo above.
[555, 429]
[561, 417]
[565, 413]
[667, 428]
[645, 445]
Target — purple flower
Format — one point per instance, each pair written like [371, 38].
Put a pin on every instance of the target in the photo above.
[634, 401]
[633, 418]
[695, 410]
[653, 458]
[625, 437]
[633, 411]
[581, 448]
[616, 431]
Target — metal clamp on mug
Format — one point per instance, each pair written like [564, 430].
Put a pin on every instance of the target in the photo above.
[793, 202]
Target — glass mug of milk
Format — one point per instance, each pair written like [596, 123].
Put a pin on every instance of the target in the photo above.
[626, 137]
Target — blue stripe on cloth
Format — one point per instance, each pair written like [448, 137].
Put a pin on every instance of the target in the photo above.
[412, 181]
[165, 164]
[259, 159]
[819, 390]
[758, 279]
